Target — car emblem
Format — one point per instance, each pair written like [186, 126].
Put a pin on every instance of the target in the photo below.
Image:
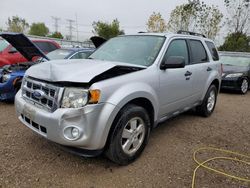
[38, 94]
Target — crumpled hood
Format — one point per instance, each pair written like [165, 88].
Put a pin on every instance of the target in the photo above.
[77, 71]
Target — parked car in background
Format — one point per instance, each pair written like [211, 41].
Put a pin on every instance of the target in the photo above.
[11, 75]
[11, 55]
[111, 101]
[69, 53]
[236, 71]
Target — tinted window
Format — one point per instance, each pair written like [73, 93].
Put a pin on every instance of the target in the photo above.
[45, 46]
[178, 48]
[52, 47]
[213, 51]
[198, 51]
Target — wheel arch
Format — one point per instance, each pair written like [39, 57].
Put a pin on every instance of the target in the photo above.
[139, 101]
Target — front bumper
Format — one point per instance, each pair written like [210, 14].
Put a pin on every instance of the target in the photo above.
[93, 121]
[231, 83]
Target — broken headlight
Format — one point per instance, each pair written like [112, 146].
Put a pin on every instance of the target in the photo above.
[77, 98]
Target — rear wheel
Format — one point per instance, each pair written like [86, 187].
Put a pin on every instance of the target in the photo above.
[244, 86]
[129, 136]
[209, 102]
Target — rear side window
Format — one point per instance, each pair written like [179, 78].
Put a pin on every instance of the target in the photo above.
[46, 46]
[213, 51]
[178, 48]
[199, 54]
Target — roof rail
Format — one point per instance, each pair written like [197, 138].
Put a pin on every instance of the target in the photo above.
[190, 33]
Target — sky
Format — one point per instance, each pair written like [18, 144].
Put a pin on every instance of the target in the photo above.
[132, 14]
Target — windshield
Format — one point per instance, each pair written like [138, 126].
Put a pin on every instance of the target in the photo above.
[235, 60]
[59, 54]
[139, 50]
[3, 44]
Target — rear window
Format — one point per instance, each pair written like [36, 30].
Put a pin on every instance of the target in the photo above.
[213, 51]
[46, 46]
[199, 54]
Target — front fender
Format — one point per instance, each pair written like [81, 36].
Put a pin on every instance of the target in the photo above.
[131, 91]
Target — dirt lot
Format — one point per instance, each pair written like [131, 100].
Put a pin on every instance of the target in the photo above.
[28, 160]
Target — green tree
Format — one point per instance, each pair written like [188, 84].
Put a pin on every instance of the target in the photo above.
[184, 17]
[196, 16]
[209, 20]
[57, 35]
[17, 24]
[39, 29]
[156, 23]
[107, 30]
[238, 19]
[237, 42]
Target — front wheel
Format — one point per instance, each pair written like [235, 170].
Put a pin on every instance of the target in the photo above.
[209, 102]
[244, 86]
[129, 136]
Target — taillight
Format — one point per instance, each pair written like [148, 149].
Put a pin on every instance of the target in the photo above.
[221, 69]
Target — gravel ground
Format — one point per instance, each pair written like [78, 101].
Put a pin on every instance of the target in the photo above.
[28, 160]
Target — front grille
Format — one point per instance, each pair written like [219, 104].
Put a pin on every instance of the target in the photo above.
[39, 128]
[49, 93]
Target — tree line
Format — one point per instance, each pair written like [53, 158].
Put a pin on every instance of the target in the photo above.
[195, 15]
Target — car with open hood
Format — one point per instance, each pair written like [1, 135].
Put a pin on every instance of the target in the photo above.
[11, 75]
[236, 71]
[14, 48]
[111, 101]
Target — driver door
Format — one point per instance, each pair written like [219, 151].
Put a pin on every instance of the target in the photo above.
[176, 83]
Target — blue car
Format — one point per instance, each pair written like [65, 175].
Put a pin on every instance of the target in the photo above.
[11, 75]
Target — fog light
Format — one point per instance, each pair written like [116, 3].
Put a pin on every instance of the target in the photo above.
[72, 133]
[75, 133]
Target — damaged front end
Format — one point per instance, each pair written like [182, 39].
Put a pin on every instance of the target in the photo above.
[11, 80]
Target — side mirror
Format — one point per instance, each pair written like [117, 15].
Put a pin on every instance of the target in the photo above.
[13, 50]
[173, 62]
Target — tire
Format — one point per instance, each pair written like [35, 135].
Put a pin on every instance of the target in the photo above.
[209, 102]
[244, 86]
[129, 136]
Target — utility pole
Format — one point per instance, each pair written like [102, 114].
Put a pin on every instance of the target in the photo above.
[70, 27]
[76, 28]
[56, 19]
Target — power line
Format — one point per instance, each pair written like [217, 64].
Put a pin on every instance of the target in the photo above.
[55, 19]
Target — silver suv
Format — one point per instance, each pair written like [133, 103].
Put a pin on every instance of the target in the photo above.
[111, 101]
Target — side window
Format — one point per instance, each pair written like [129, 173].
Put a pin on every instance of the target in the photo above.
[84, 55]
[46, 46]
[76, 56]
[42, 45]
[213, 51]
[199, 54]
[51, 46]
[178, 47]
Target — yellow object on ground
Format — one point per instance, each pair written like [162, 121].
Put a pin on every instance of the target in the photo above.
[203, 164]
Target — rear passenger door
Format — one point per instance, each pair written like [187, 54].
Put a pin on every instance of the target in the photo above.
[199, 66]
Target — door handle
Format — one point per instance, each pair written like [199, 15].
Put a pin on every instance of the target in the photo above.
[188, 73]
[209, 69]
